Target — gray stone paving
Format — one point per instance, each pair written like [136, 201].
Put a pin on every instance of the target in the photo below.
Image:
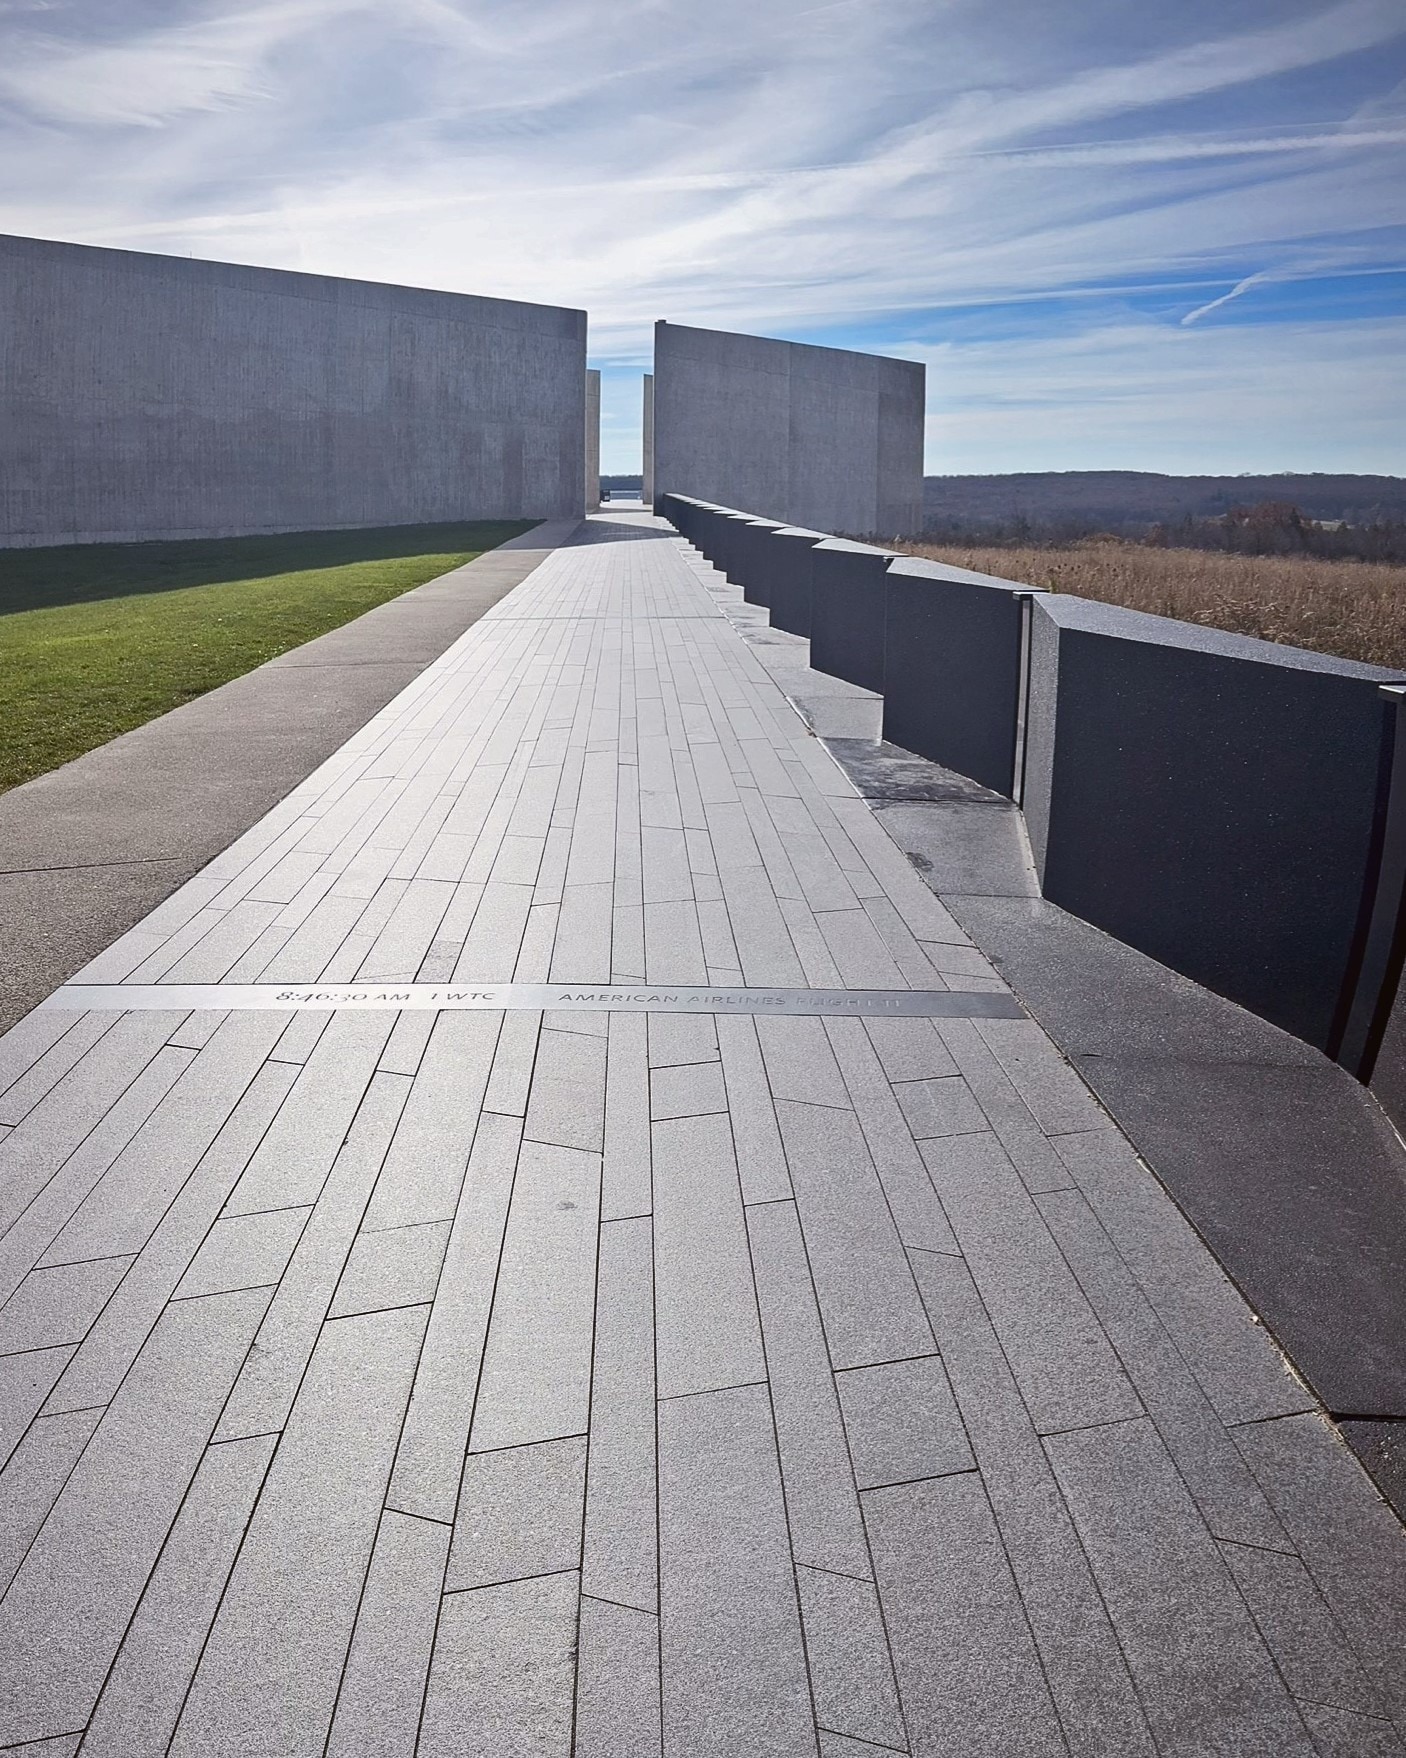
[494, 1383]
[90, 848]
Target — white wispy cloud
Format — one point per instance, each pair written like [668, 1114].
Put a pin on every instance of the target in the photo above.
[1135, 395]
[212, 63]
[1170, 149]
[1242, 286]
[784, 168]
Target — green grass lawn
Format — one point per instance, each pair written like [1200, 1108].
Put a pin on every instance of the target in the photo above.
[98, 638]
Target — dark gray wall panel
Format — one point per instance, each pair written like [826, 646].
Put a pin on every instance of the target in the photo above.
[702, 523]
[1374, 1041]
[683, 512]
[732, 535]
[754, 547]
[1209, 799]
[847, 612]
[788, 590]
[952, 668]
[1388, 1080]
[158, 397]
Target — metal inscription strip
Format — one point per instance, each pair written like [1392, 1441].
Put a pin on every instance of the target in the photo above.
[536, 997]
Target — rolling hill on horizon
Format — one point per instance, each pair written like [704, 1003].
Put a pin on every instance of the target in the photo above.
[1119, 500]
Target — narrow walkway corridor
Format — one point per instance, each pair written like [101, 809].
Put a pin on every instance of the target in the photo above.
[504, 1383]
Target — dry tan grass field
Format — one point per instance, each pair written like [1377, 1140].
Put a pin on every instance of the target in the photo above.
[1354, 609]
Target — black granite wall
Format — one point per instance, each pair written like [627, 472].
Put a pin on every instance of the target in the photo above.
[952, 668]
[1212, 800]
[847, 611]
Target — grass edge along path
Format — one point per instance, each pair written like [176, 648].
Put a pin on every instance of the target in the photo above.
[97, 639]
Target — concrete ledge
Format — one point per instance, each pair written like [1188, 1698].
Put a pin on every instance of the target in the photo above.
[952, 673]
[789, 573]
[754, 547]
[847, 598]
[89, 849]
[1173, 799]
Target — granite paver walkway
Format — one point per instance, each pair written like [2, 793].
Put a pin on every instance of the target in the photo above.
[497, 1382]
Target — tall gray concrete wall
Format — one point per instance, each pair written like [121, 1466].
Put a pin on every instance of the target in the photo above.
[149, 396]
[819, 437]
[593, 441]
[647, 491]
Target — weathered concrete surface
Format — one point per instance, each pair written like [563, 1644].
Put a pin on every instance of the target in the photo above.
[820, 437]
[647, 489]
[158, 397]
[91, 848]
[592, 441]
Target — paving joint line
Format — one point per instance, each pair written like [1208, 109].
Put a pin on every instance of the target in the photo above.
[647, 997]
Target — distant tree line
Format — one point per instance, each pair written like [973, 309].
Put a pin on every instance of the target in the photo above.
[1334, 516]
[1266, 528]
[1280, 528]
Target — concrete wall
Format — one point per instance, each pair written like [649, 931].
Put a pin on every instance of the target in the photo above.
[1210, 799]
[592, 441]
[1388, 1071]
[1234, 808]
[149, 396]
[848, 607]
[818, 437]
[952, 674]
[647, 492]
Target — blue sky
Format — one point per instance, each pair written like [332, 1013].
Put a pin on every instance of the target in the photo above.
[1163, 238]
